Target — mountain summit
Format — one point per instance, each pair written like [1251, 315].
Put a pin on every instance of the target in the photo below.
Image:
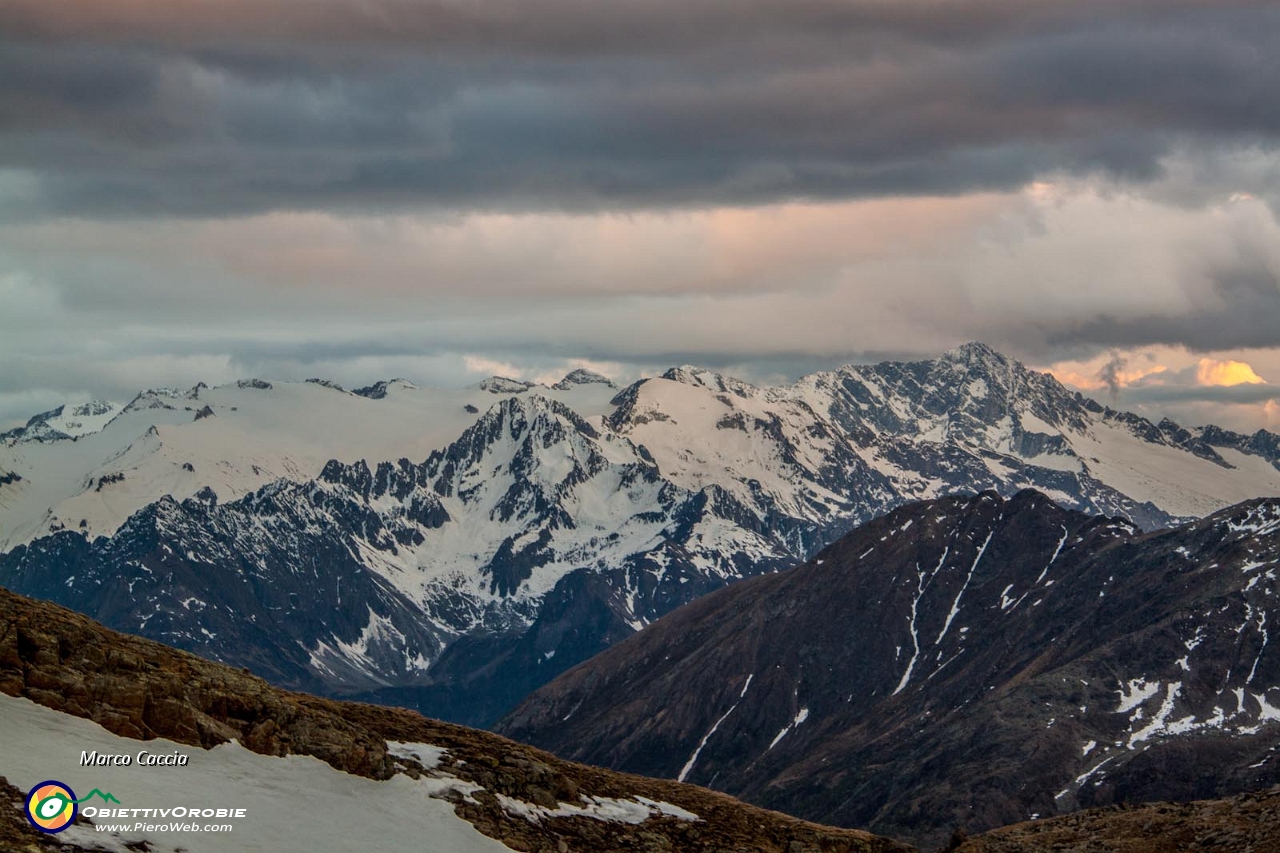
[582, 376]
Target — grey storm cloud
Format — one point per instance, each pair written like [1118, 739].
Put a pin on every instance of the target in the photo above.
[1241, 309]
[120, 108]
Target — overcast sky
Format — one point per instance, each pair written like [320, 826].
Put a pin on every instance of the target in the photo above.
[202, 190]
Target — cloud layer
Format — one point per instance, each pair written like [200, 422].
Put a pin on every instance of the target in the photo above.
[223, 108]
[202, 189]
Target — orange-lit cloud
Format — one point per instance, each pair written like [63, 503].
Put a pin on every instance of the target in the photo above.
[1095, 382]
[1212, 372]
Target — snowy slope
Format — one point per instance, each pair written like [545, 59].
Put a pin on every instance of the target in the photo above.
[758, 446]
[66, 421]
[255, 435]
[1181, 483]
[293, 803]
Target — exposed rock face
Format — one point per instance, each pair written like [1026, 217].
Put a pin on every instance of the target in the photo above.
[141, 689]
[207, 577]
[582, 377]
[63, 423]
[961, 662]
[378, 390]
[504, 385]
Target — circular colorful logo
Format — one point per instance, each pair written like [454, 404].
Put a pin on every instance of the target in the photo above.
[51, 806]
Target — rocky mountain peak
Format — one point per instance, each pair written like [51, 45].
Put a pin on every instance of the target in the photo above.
[93, 408]
[154, 398]
[702, 377]
[522, 414]
[63, 422]
[978, 353]
[582, 376]
[504, 385]
[378, 390]
[34, 424]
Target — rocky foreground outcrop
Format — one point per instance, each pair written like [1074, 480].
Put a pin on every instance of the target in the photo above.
[1245, 824]
[141, 689]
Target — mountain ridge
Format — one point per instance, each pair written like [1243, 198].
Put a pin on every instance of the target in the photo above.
[611, 506]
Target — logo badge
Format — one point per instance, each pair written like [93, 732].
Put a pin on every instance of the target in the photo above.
[51, 807]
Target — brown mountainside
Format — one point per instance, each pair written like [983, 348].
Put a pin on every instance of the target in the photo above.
[141, 689]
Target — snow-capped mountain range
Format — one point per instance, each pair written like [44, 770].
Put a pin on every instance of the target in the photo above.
[522, 527]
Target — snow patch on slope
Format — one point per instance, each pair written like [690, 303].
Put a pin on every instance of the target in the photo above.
[609, 809]
[294, 803]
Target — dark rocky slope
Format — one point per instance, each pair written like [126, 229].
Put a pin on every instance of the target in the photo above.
[961, 662]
